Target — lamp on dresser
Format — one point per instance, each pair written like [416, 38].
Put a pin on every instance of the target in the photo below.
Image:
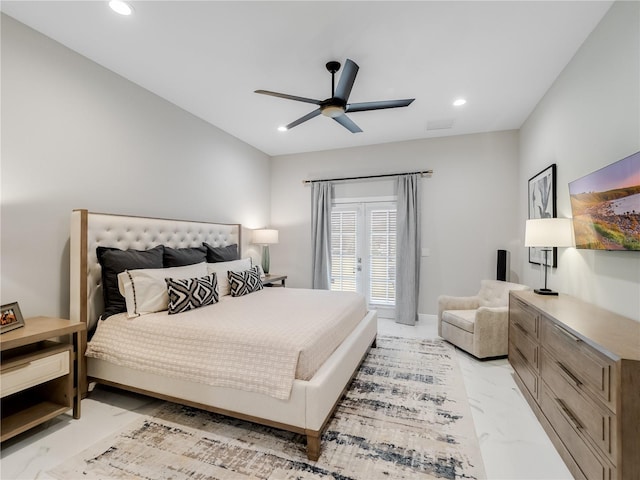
[265, 237]
[548, 233]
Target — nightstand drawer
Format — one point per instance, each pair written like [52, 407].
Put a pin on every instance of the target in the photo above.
[18, 376]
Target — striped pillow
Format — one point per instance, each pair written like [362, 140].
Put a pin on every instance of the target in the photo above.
[189, 293]
[244, 282]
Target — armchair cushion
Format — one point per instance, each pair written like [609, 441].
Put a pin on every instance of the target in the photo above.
[464, 319]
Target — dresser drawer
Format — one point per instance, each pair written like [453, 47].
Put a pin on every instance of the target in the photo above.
[595, 422]
[524, 344]
[519, 364]
[19, 376]
[591, 464]
[523, 316]
[589, 368]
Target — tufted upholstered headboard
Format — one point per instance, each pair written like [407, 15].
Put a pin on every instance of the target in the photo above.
[90, 230]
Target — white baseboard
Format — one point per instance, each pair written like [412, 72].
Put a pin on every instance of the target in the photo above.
[427, 318]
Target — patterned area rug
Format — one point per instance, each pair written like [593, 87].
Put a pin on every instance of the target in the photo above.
[405, 416]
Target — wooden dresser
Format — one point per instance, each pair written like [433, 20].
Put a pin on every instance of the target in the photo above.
[578, 366]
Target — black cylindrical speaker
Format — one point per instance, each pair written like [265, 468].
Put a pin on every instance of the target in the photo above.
[502, 265]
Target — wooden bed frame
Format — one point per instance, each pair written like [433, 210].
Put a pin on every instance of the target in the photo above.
[311, 403]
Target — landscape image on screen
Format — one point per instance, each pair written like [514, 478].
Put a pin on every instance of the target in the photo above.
[606, 207]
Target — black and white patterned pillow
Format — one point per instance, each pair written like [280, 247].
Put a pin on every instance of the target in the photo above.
[244, 282]
[189, 293]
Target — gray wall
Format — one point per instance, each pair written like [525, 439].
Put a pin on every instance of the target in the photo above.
[588, 119]
[75, 135]
[469, 206]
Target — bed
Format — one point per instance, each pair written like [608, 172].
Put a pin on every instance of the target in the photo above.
[309, 401]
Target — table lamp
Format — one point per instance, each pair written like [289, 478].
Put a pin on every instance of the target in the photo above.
[547, 233]
[265, 237]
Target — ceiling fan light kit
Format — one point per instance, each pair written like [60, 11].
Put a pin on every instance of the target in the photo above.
[337, 105]
[332, 111]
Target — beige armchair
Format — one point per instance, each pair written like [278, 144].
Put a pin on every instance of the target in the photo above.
[478, 324]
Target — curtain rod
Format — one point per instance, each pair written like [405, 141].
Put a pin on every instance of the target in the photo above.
[421, 172]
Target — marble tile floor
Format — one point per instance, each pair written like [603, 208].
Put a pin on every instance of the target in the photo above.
[513, 444]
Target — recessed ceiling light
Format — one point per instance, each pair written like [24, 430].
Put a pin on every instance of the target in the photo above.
[282, 128]
[459, 102]
[123, 8]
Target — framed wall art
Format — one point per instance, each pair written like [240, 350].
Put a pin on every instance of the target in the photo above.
[542, 204]
[10, 317]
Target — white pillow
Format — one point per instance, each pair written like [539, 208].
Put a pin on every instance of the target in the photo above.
[145, 290]
[221, 269]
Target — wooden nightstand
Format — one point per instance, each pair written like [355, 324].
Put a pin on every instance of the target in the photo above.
[39, 376]
[271, 279]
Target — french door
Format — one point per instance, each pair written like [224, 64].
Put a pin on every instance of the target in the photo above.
[363, 252]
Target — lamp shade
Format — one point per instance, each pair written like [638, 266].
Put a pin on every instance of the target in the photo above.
[265, 236]
[549, 232]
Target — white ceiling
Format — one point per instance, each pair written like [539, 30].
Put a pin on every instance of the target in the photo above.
[208, 57]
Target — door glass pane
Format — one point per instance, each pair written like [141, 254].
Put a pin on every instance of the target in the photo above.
[382, 257]
[344, 236]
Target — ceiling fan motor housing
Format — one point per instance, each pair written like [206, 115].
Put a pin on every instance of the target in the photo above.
[333, 66]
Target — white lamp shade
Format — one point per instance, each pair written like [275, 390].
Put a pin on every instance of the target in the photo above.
[265, 236]
[549, 232]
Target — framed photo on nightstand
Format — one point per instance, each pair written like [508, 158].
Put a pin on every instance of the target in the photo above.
[10, 317]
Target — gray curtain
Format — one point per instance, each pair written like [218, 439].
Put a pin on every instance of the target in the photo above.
[407, 248]
[321, 234]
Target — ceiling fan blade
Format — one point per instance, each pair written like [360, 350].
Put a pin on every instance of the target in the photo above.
[347, 123]
[347, 78]
[364, 106]
[289, 97]
[308, 116]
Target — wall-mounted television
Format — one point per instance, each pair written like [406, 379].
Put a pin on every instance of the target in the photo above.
[606, 206]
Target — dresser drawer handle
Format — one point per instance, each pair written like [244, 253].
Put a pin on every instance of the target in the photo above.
[568, 373]
[519, 327]
[16, 367]
[569, 414]
[567, 334]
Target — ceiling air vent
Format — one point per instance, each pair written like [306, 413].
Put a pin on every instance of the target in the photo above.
[440, 124]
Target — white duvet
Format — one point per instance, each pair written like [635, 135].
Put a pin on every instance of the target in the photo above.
[259, 342]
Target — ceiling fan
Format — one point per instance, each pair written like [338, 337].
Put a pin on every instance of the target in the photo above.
[336, 106]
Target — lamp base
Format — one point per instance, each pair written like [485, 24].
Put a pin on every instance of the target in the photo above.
[265, 259]
[545, 291]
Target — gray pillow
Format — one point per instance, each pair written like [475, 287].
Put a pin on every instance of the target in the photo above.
[114, 261]
[222, 254]
[181, 257]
